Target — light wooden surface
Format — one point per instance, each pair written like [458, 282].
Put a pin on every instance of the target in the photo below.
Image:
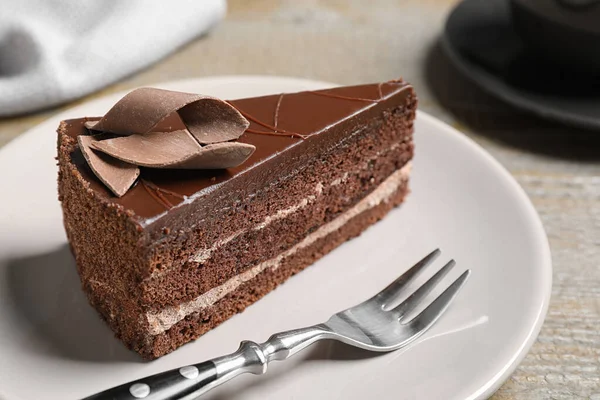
[353, 41]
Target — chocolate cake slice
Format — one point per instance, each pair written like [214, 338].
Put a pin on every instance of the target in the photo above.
[166, 252]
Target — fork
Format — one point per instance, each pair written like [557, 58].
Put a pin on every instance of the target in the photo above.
[375, 324]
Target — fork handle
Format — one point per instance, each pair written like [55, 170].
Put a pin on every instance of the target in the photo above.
[194, 380]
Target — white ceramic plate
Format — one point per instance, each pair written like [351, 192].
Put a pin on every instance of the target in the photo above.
[53, 345]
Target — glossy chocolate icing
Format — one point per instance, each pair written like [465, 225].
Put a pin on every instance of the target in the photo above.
[279, 123]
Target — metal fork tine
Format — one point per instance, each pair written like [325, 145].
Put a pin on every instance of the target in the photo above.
[394, 288]
[418, 295]
[430, 315]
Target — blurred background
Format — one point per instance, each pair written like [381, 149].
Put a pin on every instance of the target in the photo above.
[351, 42]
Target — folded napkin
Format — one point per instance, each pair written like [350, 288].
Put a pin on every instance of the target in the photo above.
[53, 51]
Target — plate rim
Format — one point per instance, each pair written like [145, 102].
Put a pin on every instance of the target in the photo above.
[534, 219]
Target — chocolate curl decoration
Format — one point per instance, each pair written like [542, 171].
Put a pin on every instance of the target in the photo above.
[207, 143]
[117, 175]
[209, 120]
[174, 150]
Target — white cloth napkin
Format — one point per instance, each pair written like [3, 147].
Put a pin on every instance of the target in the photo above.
[53, 51]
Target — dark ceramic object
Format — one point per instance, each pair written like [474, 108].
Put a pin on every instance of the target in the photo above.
[565, 32]
[481, 40]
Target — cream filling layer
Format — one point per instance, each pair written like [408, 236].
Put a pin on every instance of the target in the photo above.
[161, 321]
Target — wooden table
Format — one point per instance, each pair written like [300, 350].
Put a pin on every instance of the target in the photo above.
[353, 41]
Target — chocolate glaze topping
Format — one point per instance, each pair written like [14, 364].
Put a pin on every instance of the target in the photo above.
[278, 124]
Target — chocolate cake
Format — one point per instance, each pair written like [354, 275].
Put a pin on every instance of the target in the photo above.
[170, 245]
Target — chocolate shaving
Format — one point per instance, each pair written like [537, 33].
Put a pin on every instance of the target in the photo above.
[206, 142]
[117, 175]
[208, 119]
[219, 155]
[176, 149]
[90, 124]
